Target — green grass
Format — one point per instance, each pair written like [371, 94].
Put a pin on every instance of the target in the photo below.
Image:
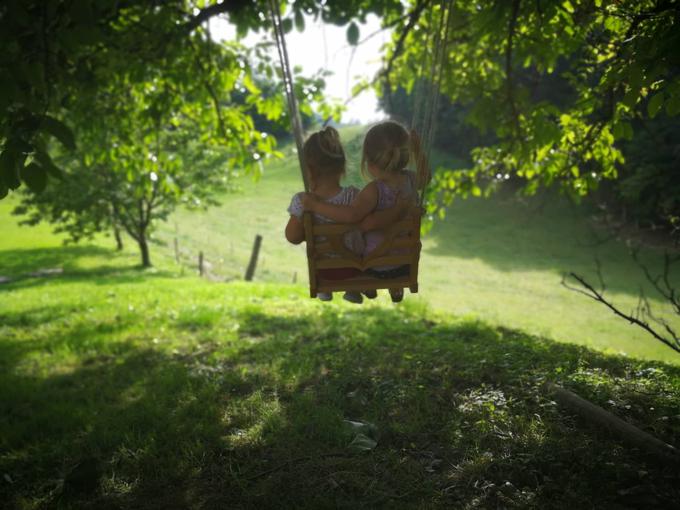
[129, 388]
[182, 394]
[499, 260]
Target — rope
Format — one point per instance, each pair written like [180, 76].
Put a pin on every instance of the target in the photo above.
[420, 95]
[428, 122]
[425, 125]
[287, 76]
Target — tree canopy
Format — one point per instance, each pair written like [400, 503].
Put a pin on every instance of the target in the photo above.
[613, 64]
[558, 82]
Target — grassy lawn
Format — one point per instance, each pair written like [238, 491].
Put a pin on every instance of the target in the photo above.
[499, 260]
[177, 393]
[128, 388]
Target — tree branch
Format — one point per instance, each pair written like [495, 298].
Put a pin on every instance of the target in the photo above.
[120, 216]
[667, 290]
[508, 69]
[413, 18]
[599, 297]
[227, 6]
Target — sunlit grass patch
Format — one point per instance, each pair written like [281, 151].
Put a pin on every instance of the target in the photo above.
[199, 317]
[251, 420]
[239, 395]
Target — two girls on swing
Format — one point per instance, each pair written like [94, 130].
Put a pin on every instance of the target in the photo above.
[386, 151]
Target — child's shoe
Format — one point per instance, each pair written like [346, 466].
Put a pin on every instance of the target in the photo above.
[371, 294]
[397, 295]
[353, 297]
[325, 296]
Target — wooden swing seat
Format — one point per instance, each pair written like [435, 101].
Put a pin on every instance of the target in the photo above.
[326, 250]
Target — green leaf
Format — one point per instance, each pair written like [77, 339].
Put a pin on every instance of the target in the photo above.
[622, 129]
[287, 25]
[4, 190]
[655, 104]
[630, 98]
[627, 131]
[34, 176]
[59, 130]
[299, 21]
[359, 87]
[673, 105]
[635, 77]
[47, 163]
[8, 169]
[363, 443]
[81, 12]
[353, 34]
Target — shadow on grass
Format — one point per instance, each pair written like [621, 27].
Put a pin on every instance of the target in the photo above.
[545, 234]
[20, 265]
[459, 419]
[15, 263]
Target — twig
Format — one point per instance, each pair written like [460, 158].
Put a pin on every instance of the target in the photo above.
[667, 291]
[598, 296]
[414, 16]
[508, 70]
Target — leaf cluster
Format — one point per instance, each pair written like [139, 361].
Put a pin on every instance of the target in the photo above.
[613, 63]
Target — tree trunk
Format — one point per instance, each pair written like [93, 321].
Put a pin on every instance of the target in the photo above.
[119, 239]
[144, 249]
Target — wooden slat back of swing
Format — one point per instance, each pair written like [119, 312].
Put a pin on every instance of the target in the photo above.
[331, 253]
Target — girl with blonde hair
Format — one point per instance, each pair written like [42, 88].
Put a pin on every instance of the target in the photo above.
[325, 164]
[387, 150]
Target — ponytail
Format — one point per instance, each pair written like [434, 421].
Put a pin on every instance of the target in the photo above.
[387, 146]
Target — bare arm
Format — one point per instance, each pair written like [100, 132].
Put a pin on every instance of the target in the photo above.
[295, 230]
[379, 220]
[363, 204]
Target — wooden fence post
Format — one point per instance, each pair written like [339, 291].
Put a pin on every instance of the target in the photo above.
[200, 263]
[253, 258]
[176, 250]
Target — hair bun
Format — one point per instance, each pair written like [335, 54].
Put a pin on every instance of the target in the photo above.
[330, 132]
[323, 153]
[329, 143]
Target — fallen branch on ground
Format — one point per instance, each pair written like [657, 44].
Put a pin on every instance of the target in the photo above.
[613, 423]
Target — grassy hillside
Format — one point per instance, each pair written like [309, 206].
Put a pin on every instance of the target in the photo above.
[128, 388]
[499, 260]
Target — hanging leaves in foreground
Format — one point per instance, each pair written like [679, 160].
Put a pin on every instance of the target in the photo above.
[34, 176]
[59, 130]
[299, 21]
[353, 34]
